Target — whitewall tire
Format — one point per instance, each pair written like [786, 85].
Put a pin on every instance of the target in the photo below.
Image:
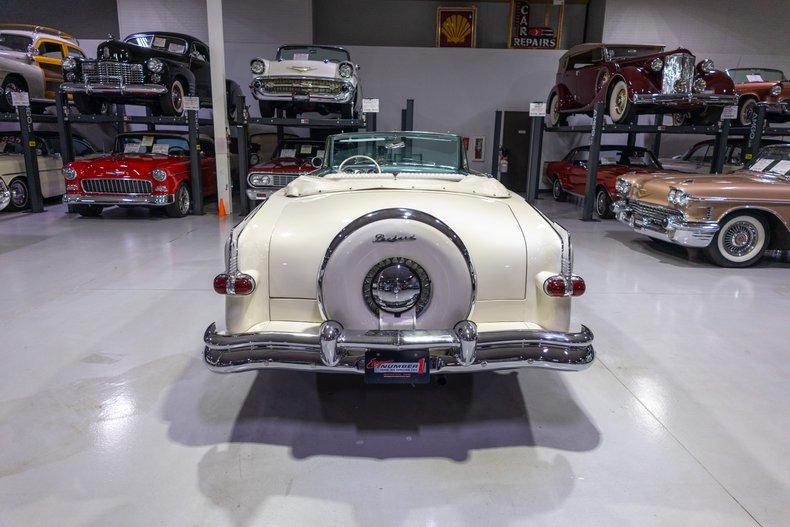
[740, 242]
[621, 109]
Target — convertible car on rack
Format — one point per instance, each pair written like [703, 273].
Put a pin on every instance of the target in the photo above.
[569, 176]
[638, 79]
[148, 169]
[393, 260]
[153, 68]
[735, 218]
[761, 85]
[305, 79]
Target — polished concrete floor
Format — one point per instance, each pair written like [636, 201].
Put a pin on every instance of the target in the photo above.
[108, 417]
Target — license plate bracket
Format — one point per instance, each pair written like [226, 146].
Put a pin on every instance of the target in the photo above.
[397, 367]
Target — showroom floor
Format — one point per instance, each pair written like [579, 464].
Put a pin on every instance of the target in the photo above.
[108, 416]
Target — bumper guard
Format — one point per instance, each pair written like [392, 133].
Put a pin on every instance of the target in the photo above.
[674, 230]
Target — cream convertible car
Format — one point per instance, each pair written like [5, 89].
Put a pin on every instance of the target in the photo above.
[395, 261]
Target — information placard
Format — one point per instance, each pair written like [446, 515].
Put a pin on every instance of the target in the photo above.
[192, 103]
[537, 109]
[20, 98]
[729, 112]
[370, 105]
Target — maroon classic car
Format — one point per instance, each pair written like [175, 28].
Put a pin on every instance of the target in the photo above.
[761, 85]
[149, 169]
[292, 158]
[569, 176]
[638, 79]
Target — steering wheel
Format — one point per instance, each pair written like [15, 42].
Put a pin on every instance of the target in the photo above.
[358, 156]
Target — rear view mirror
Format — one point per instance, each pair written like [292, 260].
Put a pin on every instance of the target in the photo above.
[317, 162]
[31, 52]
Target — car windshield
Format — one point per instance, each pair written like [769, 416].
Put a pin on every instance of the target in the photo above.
[152, 144]
[398, 152]
[627, 52]
[312, 53]
[773, 160]
[300, 149]
[746, 75]
[11, 42]
[160, 42]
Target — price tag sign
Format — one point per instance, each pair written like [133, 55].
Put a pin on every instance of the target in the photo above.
[301, 56]
[192, 103]
[148, 140]
[370, 105]
[305, 149]
[729, 112]
[160, 148]
[761, 165]
[754, 78]
[537, 109]
[20, 98]
[782, 167]
[132, 148]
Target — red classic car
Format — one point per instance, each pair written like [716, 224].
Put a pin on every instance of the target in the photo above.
[292, 158]
[638, 79]
[148, 169]
[569, 176]
[761, 85]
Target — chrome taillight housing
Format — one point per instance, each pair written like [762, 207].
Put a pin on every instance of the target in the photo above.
[560, 286]
[234, 284]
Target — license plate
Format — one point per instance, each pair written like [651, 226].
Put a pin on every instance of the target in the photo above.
[392, 366]
[301, 97]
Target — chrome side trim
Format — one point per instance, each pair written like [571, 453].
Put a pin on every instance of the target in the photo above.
[566, 258]
[232, 243]
[333, 349]
[386, 214]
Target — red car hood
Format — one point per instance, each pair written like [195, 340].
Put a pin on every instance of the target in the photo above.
[128, 165]
[284, 165]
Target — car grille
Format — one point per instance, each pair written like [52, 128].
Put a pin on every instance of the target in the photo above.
[116, 186]
[678, 76]
[655, 213]
[112, 73]
[281, 180]
[289, 85]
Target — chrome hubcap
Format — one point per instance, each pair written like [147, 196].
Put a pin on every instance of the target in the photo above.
[740, 239]
[176, 96]
[18, 194]
[9, 89]
[557, 188]
[396, 285]
[183, 201]
[601, 201]
[748, 114]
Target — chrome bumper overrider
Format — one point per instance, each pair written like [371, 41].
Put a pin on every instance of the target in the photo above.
[782, 108]
[149, 200]
[335, 349]
[675, 230]
[682, 98]
[140, 90]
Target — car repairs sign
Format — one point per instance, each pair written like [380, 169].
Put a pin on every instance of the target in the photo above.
[526, 33]
[394, 366]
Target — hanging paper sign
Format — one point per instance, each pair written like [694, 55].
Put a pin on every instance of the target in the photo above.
[754, 78]
[288, 152]
[148, 140]
[132, 148]
[370, 105]
[301, 56]
[160, 148]
[192, 103]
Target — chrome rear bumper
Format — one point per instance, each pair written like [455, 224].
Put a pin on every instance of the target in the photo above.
[337, 350]
[680, 98]
[675, 230]
[137, 90]
[120, 199]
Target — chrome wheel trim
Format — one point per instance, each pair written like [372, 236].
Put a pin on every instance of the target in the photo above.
[10, 88]
[19, 194]
[600, 203]
[556, 188]
[554, 113]
[746, 115]
[183, 200]
[741, 239]
[618, 101]
[177, 96]
[390, 286]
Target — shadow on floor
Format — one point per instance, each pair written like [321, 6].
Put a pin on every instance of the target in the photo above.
[324, 414]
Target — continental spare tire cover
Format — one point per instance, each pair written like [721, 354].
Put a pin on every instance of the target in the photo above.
[395, 246]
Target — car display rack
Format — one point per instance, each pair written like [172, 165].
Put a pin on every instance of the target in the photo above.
[191, 121]
[721, 132]
[26, 118]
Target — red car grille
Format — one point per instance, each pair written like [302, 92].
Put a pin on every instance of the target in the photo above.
[116, 186]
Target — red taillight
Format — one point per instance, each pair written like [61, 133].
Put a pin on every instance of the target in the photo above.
[238, 284]
[578, 287]
[243, 284]
[559, 286]
[554, 286]
[221, 283]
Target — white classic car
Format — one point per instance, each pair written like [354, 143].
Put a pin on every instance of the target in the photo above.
[307, 78]
[395, 261]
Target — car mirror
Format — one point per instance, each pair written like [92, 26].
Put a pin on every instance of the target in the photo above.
[31, 52]
[317, 162]
[254, 159]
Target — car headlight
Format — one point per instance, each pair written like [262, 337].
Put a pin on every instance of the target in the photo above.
[154, 65]
[257, 66]
[678, 197]
[260, 180]
[622, 186]
[700, 85]
[69, 173]
[346, 70]
[707, 66]
[69, 63]
[671, 196]
[159, 174]
[776, 90]
[656, 64]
